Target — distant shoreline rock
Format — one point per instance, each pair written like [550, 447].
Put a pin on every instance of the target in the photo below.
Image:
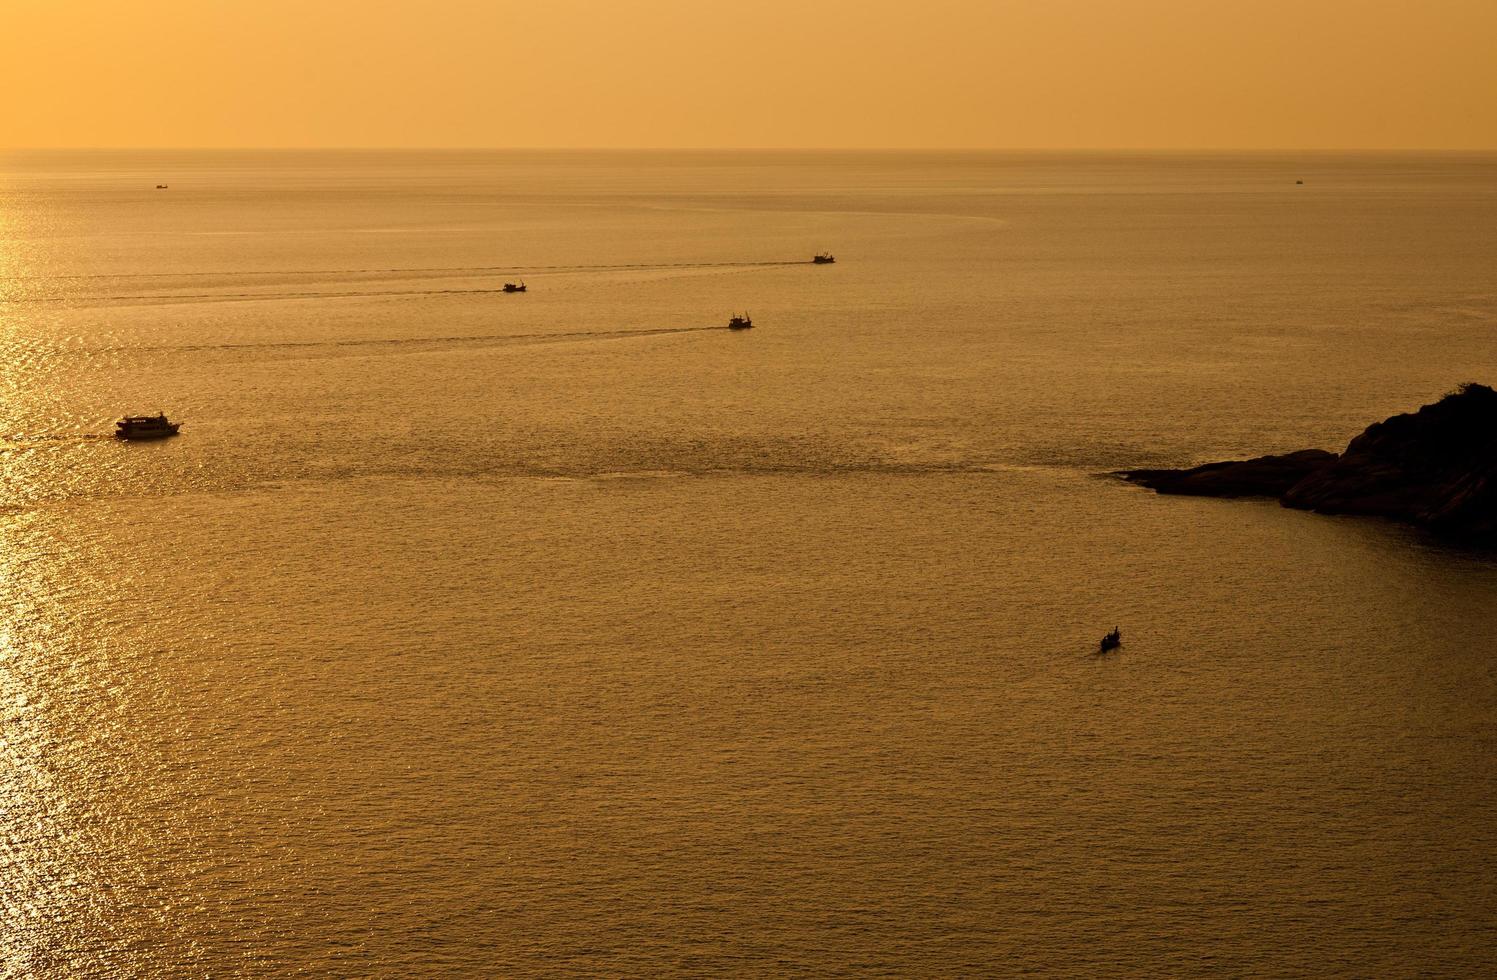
[1264, 476]
[1436, 468]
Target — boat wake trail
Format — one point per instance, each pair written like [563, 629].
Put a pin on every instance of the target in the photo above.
[423, 343]
[166, 299]
[414, 270]
[15, 441]
[157, 288]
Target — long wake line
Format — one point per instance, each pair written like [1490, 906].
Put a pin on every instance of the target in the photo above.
[167, 299]
[352, 272]
[403, 341]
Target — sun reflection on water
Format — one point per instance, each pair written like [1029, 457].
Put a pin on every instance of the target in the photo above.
[32, 868]
[40, 886]
[74, 862]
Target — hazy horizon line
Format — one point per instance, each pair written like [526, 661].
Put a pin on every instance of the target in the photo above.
[759, 149]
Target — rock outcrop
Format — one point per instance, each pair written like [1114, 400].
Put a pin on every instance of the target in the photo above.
[1265, 476]
[1436, 467]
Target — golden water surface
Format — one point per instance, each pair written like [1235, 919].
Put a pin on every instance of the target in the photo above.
[568, 632]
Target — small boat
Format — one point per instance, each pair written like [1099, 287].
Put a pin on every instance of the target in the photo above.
[161, 187]
[512, 287]
[1112, 640]
[1299, 181]
[823, 258]
[740, 322]
[145, 427]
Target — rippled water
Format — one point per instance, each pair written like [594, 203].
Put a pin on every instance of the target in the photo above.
[569, 632]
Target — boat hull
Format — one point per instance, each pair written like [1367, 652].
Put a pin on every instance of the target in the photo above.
[151, 434]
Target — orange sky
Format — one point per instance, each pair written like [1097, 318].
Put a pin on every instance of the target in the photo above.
[756, 73]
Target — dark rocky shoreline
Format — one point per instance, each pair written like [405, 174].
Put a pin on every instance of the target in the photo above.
[1436, 468]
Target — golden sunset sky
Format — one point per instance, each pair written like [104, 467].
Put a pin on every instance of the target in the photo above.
[758, 73]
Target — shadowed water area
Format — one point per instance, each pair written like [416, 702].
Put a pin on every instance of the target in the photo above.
[569, 632]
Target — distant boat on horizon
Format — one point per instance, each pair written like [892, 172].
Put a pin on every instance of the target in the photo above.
[823, 258]
[742, 322]
[511, 287]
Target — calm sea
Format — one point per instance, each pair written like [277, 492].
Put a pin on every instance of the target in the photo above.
[570, 633]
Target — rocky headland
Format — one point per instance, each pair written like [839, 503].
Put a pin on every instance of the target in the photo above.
[1436, 468]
